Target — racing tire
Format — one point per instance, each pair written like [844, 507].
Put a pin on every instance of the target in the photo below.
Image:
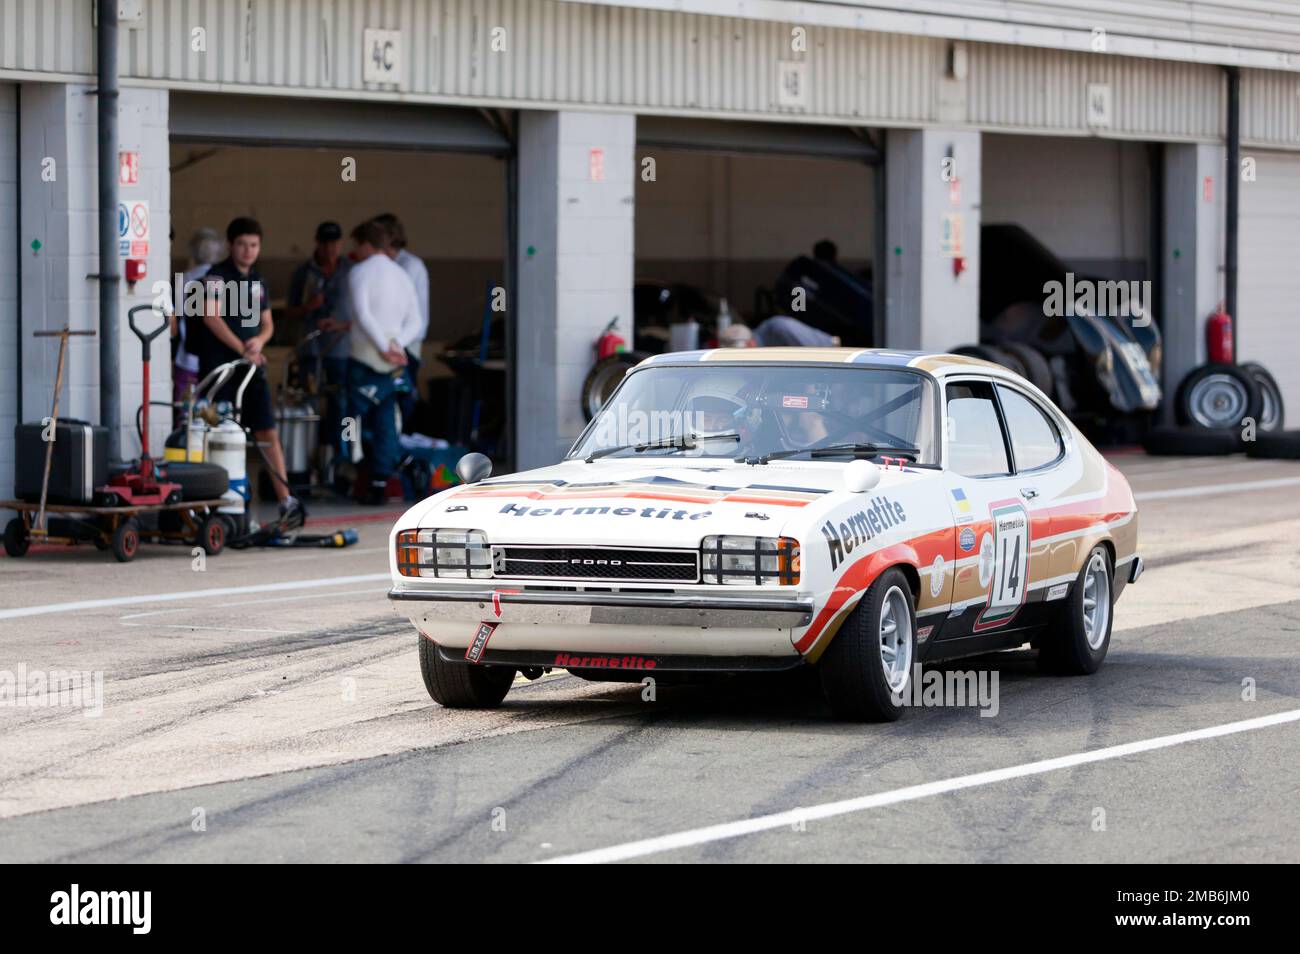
[199, 481]
[1192, 441]
[457, 685]
[1218, 396]
[17, 538]
[603, 378]
[1037, 371]
[1076, 642]
[869, 661]
[1275, 445]
[126, 540]
[1272, 417]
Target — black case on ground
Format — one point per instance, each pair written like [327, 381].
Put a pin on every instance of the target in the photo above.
[78, 466]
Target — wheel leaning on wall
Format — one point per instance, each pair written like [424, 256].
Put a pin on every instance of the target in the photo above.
[1218, 396]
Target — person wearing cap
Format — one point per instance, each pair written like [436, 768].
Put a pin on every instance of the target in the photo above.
[317, 295]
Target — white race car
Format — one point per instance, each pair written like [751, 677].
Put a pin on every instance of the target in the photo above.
[762, 509]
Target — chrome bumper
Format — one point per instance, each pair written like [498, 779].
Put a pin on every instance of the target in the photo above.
[619, 609]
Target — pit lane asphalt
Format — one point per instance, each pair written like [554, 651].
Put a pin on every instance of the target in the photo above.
[298, 730]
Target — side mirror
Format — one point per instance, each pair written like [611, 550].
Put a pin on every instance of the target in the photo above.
[473, 467]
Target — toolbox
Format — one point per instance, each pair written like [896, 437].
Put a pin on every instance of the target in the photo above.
[78, 464]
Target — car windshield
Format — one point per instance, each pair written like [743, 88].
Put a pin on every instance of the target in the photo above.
[757, 412]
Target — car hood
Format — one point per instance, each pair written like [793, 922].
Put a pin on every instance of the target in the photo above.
[647, 502]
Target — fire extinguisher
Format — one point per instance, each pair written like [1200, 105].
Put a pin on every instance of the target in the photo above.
[610, 341]
[1218, 337]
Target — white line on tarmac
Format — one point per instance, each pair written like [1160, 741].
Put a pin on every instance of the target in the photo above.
[749, 826]
[277, 599]
[1207, 489]
[47, 608]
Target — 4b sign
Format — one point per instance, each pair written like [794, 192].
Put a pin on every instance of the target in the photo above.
[382, 56]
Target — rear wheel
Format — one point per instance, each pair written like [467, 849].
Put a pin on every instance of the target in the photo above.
[869, 661]
[462, 685]
[1080, 637]
[17, 538]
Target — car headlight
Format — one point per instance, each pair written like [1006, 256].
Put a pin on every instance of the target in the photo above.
[458, 554]
[755, 561]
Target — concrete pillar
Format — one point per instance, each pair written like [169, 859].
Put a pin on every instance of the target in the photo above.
[1193, 250]
[927, 305]
[57, 191]
[576, 208]
[9, 351]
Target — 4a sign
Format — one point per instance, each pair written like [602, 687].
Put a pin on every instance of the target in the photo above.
[382, 56]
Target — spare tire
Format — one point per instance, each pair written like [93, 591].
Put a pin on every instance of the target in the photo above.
[1192, 441]
[1275, 445]
[1037, 371]
[198, 481]
[604, 377]
[1273, 415]
[1218, 396]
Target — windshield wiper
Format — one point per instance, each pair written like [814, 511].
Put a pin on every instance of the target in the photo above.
[679, 441]
[859, 449]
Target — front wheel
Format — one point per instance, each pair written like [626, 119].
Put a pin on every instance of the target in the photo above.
[1078, 640]
[459, 685]
[868, 664]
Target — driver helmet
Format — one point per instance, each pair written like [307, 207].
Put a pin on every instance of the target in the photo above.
[714, 411]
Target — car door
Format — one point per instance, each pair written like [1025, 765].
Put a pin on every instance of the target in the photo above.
[1000, 515]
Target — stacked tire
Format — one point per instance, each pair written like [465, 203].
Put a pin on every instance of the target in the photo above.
[1226, 409]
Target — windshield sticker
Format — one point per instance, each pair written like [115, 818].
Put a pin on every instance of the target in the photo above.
[655, 513]
[795, 400]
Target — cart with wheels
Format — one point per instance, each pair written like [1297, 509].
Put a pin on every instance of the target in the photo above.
[120, 529]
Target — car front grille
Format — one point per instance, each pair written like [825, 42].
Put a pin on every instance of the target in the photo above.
[626, 564]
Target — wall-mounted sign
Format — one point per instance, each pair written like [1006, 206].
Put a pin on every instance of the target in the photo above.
[1099, 113]
[596, 165]
[950, 237]
[128, 168]
[792, 84]
[381, 56]
[133, 228]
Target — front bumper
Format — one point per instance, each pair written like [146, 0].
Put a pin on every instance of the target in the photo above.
[602, 622]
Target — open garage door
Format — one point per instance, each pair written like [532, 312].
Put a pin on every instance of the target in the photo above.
[1268, 283]
[733, 210]
[293, 164]
[271, 121]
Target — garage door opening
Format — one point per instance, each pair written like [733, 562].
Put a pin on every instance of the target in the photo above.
[1066, 242]
[735, 212]
[442, 172]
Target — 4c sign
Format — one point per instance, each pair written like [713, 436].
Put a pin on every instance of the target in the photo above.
[382, 56]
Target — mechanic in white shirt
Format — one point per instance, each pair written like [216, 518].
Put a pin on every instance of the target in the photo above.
[395, 248]
[386, 321]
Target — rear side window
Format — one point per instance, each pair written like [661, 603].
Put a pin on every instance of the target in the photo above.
[1035, 441]
[975, 444]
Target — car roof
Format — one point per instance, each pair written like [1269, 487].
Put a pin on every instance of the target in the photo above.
[935, 362]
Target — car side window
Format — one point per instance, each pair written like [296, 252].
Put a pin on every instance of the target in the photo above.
[975, 444]
[1035, 441]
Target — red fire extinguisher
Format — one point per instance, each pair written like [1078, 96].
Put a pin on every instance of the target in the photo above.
[1218, 337]
[610, 341]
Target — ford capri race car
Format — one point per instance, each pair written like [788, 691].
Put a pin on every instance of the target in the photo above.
[765, 509]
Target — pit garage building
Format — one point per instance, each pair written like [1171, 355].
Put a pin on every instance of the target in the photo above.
[513, 137]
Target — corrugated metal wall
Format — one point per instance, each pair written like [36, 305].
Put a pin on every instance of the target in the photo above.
[576, 54]
[1270, 109]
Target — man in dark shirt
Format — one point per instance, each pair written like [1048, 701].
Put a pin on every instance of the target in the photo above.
[237, 324]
